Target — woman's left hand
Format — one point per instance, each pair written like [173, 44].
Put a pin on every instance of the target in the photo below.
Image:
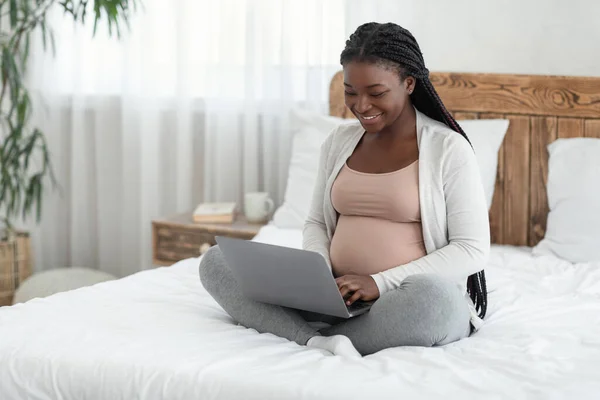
[357, 287]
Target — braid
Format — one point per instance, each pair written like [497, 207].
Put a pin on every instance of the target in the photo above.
[394, 47]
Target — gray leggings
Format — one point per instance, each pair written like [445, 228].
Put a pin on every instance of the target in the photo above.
[426, 310]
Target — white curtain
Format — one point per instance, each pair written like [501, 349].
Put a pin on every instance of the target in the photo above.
[189, 106]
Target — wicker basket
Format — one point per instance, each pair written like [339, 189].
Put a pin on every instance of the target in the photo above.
[15, 265]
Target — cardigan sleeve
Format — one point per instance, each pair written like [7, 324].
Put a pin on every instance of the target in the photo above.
[468, 225]
[314, 235]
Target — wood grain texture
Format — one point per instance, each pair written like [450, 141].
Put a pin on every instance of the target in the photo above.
[540, 109]
[337, 105]
[570, 128]
[463, 115]
[497, 208]
[543, 132]
[178, 237]
[516, 181]
[519, 94]
[592, 128]
[337, 101]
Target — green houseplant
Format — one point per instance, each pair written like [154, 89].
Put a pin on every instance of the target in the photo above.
[25, 164]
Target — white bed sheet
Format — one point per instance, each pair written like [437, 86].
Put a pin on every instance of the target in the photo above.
[158, 335]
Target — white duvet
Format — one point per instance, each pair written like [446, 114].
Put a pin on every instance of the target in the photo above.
[159, 335]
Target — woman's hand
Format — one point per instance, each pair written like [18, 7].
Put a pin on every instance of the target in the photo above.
[357, 287]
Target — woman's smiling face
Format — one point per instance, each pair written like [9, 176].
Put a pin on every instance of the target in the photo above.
[375, 94]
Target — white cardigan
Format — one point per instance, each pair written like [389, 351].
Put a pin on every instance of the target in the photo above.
[454, 213]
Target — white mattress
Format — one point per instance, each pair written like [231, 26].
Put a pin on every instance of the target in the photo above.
[159, 335]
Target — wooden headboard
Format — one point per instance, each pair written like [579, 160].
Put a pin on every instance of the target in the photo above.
[540, 109]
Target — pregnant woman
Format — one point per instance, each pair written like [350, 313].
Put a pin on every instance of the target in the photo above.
[398, 212]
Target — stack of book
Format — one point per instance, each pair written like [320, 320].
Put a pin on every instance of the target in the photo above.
[218, 213]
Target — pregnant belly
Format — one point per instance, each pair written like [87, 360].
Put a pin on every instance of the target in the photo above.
[366, 245]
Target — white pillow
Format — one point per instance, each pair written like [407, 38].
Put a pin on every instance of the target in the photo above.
[309, 130]
[486, 135]
[573, 228]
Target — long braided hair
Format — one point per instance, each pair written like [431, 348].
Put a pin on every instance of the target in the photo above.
[395, 48]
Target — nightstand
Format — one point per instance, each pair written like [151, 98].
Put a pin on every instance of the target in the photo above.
[178, 237]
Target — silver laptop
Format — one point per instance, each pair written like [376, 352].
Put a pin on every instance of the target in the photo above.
[287, 277]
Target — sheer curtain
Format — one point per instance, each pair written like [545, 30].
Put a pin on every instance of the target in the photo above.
[190, 106]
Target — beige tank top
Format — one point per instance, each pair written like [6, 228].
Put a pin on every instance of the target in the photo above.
[379, 226]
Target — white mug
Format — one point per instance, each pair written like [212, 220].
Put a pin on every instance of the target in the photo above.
[258, 206]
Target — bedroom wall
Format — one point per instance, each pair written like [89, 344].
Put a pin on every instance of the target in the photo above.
[503, 36]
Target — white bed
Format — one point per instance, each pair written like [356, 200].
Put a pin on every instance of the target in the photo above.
[159, 335]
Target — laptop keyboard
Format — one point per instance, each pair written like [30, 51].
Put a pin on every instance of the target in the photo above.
[358, 305]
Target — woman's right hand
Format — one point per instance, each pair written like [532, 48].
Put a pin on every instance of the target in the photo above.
[357, 287]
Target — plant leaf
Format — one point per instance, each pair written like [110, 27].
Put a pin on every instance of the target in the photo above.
[20, 145]
[10, 74]
[23, 107]
[39, 200]
[13, 13]
[43, 28]
[25, 52]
